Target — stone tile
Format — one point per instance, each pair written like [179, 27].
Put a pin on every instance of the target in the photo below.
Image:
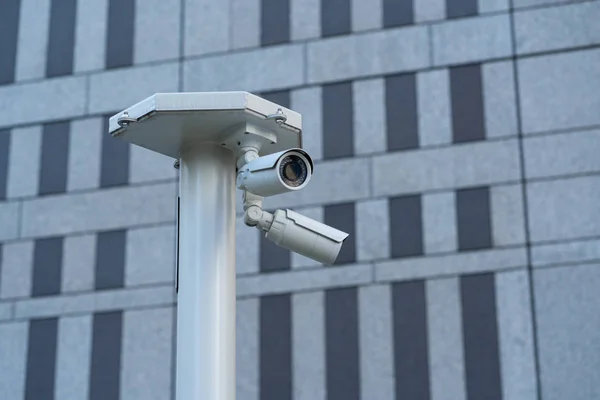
[375, 337]
[560, 91]
[508, 218]
[582, 251]
[429, 10]
[106, 300]
[308, 341]
[366, 15]
[435, 118]
[156, 30]
[90, 35]
[535, 3]
[146, 354]
[489, 6]
[383, 52]
[564, 209]
[13, 363]
[372, 230]
[85, 142]
[207, 27]
[559, 27]
[247, 349]
[247, 248]
[79, 263]
[469, 40]
[308, 102]
[73, 352]
[312, 279]
[370, 129]
[150, 255]
[17, 267]
[34, 22]
[499, 99]
[297, 260]
[28, 102]
[333, 182]
[473, 164]
[6, 310]
[562, 154]
[115, 90]
[10, 214]
[445, 337]
[439, 222]
[305, 19]
[454, 264]
[515, 335]
[223, 72]
[567, 330]
[103, 210]
[147, 166]
[245, 27]
[24, 162]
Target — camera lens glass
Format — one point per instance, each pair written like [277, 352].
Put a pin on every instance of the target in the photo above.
[293, 170]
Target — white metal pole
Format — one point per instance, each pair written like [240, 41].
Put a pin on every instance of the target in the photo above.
[206, 297]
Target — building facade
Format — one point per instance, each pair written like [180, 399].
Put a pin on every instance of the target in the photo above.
[457, 141]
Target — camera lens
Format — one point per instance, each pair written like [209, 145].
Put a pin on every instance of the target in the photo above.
[293, 170]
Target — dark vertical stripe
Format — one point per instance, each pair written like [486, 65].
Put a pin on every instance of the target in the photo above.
[275, 347]
[467, 103]
[9, 34]
[47, 266]
[119, 38]
[338, 130]
[473, 218]
[54, 158]
[406, 226]
[106, 356]
[4, 152]
[480, 333]
[335, 17]
[461, 8]
[114, 169]
[280, 97]
[342, 217]
[401, 112]
[273, 258]
[41, 359]
[61, 38]
[275, 22]
[397, 13]
[411, 357]
[341, 342]
[110, 260]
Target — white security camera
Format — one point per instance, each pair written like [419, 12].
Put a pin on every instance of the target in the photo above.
[276, 173]
[298, 233]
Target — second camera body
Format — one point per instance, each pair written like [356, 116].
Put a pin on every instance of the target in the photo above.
[276, 173]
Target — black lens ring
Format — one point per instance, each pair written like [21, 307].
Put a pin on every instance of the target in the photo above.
[300, 162]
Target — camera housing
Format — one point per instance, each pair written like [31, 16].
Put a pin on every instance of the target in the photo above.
[276, 173]
[306, 236]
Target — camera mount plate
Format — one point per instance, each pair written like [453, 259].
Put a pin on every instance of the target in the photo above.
[168, 123]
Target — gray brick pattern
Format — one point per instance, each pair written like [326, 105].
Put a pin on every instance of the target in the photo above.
[455, 140]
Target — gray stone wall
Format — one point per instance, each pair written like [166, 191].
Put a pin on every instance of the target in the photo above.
[457, 141]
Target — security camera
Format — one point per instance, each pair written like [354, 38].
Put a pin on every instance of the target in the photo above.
[276, 173]
[298, 233]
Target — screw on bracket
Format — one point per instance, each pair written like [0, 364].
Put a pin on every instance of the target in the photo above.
[124, 120]
[279, 117]
[176, 164]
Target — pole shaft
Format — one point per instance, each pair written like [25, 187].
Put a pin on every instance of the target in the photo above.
[206, 297]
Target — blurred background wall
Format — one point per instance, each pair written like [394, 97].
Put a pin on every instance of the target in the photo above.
[456, 141]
